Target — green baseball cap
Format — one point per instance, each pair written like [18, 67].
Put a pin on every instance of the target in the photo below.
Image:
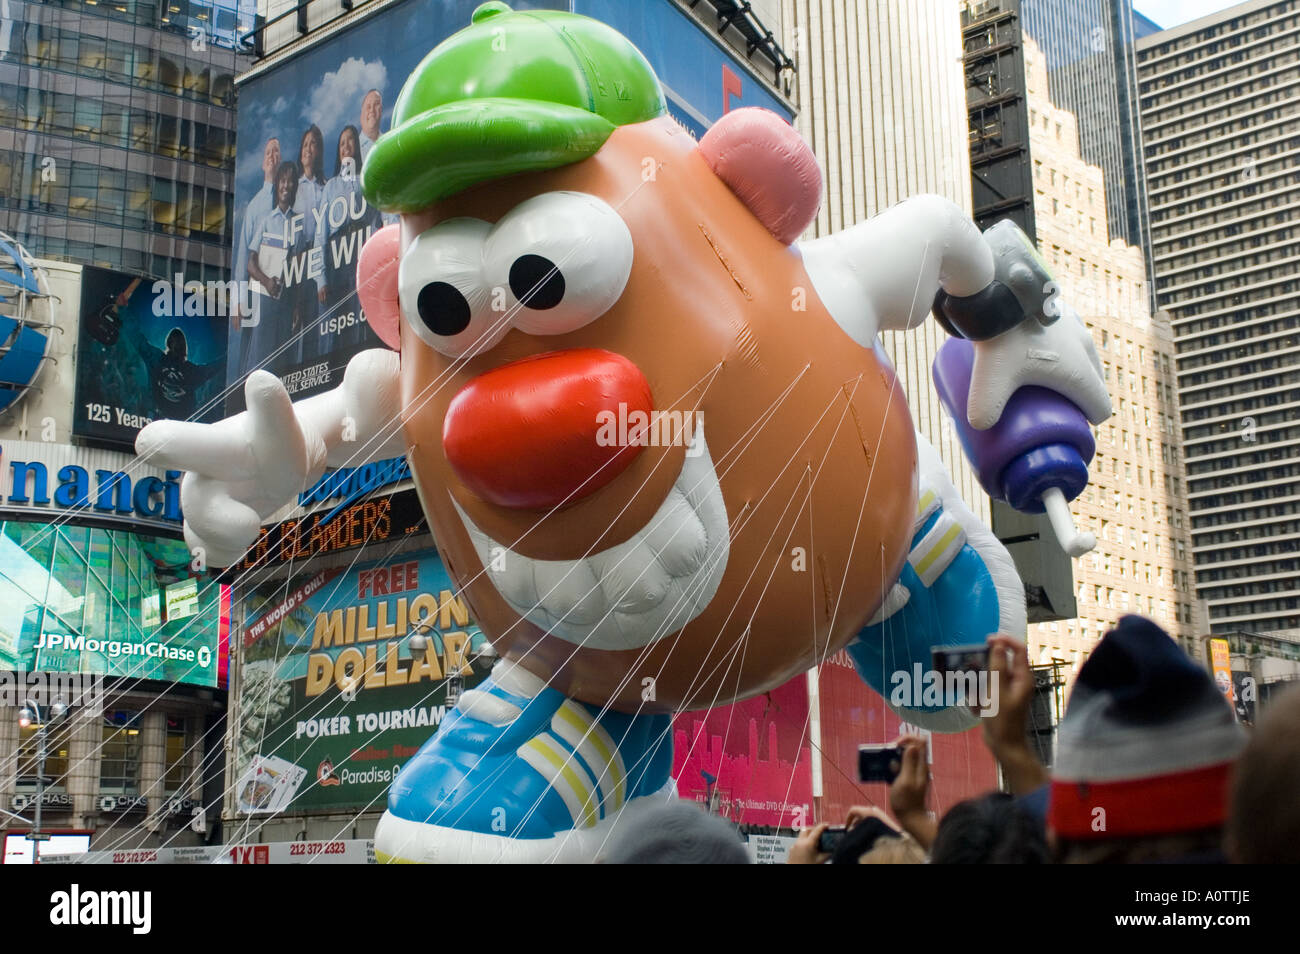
[512, 92]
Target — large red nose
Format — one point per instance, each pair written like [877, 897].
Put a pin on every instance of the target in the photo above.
[543, 431]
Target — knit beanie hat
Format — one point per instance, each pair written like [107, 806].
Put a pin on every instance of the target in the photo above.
[1147, 743]
[680, 833]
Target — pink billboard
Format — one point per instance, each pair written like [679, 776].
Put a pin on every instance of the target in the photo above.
[750, 761]
[853, 714]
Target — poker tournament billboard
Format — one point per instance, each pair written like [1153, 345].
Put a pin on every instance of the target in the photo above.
[331, 701]
[147, 350]
[306, 127]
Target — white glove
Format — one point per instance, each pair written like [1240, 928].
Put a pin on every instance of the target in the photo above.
[1060, 356]
[239, 471]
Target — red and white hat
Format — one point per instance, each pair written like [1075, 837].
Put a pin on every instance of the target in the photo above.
[1147, 743]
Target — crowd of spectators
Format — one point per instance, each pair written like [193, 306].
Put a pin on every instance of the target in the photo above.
[1151, 767]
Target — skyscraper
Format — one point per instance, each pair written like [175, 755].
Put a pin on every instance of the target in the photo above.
[117, 131]
[1220, 102]
[1089, 50]
[1134, 504]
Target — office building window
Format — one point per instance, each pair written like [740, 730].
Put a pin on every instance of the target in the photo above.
[119, 768]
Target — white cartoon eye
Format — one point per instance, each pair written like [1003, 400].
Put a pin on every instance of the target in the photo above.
[444, 297]
[562, 260]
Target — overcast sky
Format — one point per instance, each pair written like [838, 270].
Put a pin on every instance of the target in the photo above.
[1172, 13]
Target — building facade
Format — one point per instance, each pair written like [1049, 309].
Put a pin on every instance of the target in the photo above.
[1135, 503]
[117, 131]
[1220, 105]
[97, 585]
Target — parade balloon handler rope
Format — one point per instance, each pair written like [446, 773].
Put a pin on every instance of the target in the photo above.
[765, 416]
[435, 687]
[385, 432]
[743, 519]
[269, 819]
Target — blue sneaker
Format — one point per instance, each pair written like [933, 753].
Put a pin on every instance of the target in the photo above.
[518, 772]
[958, 587]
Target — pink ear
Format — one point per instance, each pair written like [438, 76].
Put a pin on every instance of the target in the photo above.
[768, 166]
[377, 284]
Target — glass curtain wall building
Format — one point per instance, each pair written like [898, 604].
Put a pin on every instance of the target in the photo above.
[117, 131]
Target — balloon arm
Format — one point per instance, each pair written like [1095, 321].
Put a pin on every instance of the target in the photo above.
[359, 421]
[241, 470]
[883, 274]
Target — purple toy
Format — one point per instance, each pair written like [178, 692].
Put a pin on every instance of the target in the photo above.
[1035, 457]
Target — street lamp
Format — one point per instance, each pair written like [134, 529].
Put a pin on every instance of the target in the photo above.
[418, 642]
[29, 714]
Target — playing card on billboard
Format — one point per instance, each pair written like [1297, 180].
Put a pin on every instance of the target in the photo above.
[268, 784]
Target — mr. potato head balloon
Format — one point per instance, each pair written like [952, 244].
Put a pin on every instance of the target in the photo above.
[627, 461]
[664, 457]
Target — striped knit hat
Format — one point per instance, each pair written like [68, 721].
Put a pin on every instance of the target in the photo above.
[1147, 743]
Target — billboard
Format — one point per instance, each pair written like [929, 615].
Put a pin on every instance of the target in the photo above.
[147, 350]
[331, 702]
[749, 761]
[305, 128]
[108, 602]
[852, 714]
[701, 76]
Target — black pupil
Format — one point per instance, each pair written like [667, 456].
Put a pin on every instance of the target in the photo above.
[443, 308]
[536, 282]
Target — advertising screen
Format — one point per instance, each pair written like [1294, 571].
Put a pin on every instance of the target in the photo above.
[147, 351]
[332, 703]
[108, 602]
